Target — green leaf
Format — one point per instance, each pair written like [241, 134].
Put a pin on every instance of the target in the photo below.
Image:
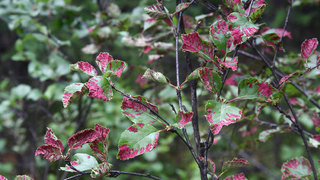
[265, 135]
[252, 88]
[100, 88]
[20, 91]
[136, 140]
[220, 114]
[115, 68]
[210, 79]
[155, 76]
[73, 92]
[181, 7]
[255, 15]
[138, 113]
[83, 162]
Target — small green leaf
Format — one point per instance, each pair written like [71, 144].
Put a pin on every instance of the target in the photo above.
[155, 76]
[83, 162]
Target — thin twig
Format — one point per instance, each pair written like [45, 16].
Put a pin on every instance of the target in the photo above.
[282, 34]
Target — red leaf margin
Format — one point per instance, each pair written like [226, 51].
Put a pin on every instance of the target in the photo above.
[77, 140]
[184, 118]
[294, 163]
[240, 176]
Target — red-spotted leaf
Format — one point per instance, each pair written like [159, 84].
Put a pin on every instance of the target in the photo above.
[99, 88]
[315, 119]
[240, 176]
[242, 29]
[212, 164]
[84, 67]
[102, 60]
[272, 39]
[235, 163]
[82, 163]
[183, 118]
[137, 112]
[252, 88]
[265, 135]
[2, 177]
[23, 177]
[53, 147]
[296, 168]
[73, 92]
[155, 76]
[136, 140]
[51, 139]
[85, 136]
[219, 33]
[100, 145]
[211, 79]
[49, 152]
[148, 23]
[219, 115]
[235, 5]
[194, 44]
[114, 68]
[229, 62]
[308, 47]
[180, 7]
[155, 12]
[102, 169]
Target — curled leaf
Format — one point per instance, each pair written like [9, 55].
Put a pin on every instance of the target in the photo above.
[155, 76]
[211, 79]
[99, 88]
[84, 67]
[102, 60]
[73, 92]
[183, 118]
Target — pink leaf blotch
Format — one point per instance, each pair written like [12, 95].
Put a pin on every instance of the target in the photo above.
[308, 47]
[87, 68]
[101, 134]
[126, 152]
[210, 79]
[193, 43]
[240, 176]
[102, 60]
[52, 149]
[72, 92]
[219, 115]
[230, 64]
[77, 140]
[137, 107]
[3, 178]
[184, 118]
[96, 91]
[296, 168]
[116, 67]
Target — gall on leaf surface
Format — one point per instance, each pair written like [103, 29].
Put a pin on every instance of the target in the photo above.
[234, 163]
[211, 79]
[85, 136]
[308, 47]
[229, 62]
[240, 176]
[100, 88]
[136, 140]
[53, 147]
[115, 67]
[155, 76]
[137, 112]
[84, 67]
[252, 88]
[220, 114]
[82, 163]
[102, 169]
[194, 44]
[73, 92]
[155, 12]
[296, 168]
[183, 118]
